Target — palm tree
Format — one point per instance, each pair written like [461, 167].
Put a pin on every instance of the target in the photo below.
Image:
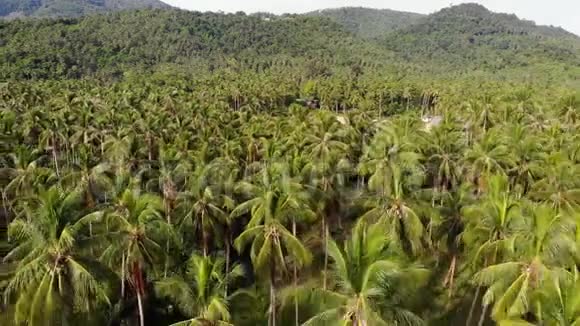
[486, 157]
[559, 186]
[166, 175]
[202, 205]
[562, 303]
[53, 138]
[24, 172]
[393, 206]
[54, 277]
[569, 108]
[199, 294]
[514, 285]
[137, 232]
[271, 243]
[371, 282]
[326, 147]
[491, 227]
[527, 150]
[443, 146]
[87, 178]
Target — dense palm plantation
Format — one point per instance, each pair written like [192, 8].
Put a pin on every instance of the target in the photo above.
[221, 202]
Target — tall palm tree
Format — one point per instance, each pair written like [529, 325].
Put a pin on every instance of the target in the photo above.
[137, 233]
[559, 186]
[371, 282]
[23, 172]
[271, 242]
[202, 205]
[393, 206]
[514, 285]
[443, 146]
[199, 294]
[491, 227]
[489, 155]
[561, 303]
[528, 156]
[86, 177]
[55, 277]
[326, 147]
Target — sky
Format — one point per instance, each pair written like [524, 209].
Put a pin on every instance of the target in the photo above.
[563, 13]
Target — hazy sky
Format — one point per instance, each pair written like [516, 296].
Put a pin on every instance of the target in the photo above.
[564, 13]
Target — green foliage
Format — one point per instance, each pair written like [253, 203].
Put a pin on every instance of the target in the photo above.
[369, 23]
[71, 8]
[156, 168]
[463, 41]
[470, 38]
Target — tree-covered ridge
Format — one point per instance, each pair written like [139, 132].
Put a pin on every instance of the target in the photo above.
[367, 22]
[460, 42]
[72, 48]
[475, 18]
[71, 8]
[469, 35]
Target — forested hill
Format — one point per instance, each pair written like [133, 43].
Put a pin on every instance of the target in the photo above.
[76, 47]
[469, 36]
[367, 22]
[70, 8]
[457, 41]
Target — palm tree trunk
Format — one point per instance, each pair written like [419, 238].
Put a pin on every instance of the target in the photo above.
[451, 276]
[168, 212]
[472, 308]
[296, 313]
[204, 239]
[203, 234]
[54, 158]
[272, 317]
[140, 304]
[227, 245]
[139, 290]
[325, 239]
[482, 317]
[123, 276]
[380, 105]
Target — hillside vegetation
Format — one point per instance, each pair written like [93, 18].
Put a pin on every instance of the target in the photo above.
[70, 8]
[470, 37]
[462, 41]
[163, 167]
[73, 48]
[368, 23]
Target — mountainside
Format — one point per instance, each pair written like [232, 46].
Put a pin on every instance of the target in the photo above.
[469, 35]
[367, 22]
[456, 41]
[75, 47]
[71, 8]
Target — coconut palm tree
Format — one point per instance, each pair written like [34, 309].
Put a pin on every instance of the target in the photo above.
[559, 186]
[491, 227]
[87, 178]
[138, 234]
[55, 277]
[202, 205]
[561, 303]
[271, 242]
[527, 150]
[393, 206]
[24, 172]
[199, 293]
[514, 285]
[371, 283]
[488, 156]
